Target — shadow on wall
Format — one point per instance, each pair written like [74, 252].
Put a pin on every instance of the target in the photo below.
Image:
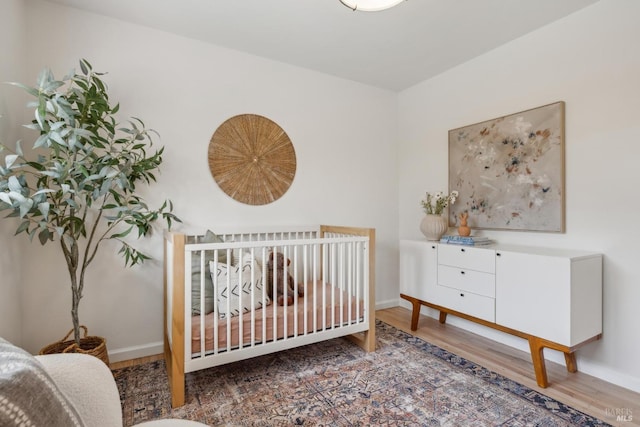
[10, 306]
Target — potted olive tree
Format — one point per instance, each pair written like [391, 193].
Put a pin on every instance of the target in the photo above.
[78, 186]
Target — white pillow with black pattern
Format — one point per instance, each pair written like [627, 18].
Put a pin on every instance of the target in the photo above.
[235, 288]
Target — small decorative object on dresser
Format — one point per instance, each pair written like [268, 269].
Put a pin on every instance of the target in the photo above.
[434, 225]
[463, 229]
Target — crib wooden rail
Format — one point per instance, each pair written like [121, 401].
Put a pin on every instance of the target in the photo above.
[342, 301]
[174, 309]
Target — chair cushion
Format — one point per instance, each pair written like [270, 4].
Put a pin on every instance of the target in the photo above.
[89, 384]
[28, 395]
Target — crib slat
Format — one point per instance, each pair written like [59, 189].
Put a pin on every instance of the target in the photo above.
[343, 284]
[359, 271]
[325, 274]
[352, 281]
[285, 286]
[203, 299]
[252, 291]
[264, 295]
[240, 267]
[305, 277]
[274, 297]
[315, 281]
[295, 292]
[230, 259]
[335, 281]
[216, 337]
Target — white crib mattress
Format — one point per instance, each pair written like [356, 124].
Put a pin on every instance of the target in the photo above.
[352, 310]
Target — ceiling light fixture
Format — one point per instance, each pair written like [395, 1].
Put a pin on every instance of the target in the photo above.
[370, 5]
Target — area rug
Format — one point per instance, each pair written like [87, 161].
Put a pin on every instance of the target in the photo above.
[406, 381]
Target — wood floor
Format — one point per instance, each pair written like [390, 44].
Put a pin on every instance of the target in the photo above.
[580, 391]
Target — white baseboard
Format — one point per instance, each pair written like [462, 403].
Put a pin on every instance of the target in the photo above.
[614, 377]
[380, 305]
[135, 352]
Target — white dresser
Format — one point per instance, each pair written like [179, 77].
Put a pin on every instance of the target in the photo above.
[551, 297]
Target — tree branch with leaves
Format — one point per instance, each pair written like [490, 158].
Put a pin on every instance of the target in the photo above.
[80, 187]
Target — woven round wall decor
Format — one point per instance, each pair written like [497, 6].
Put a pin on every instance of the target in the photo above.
[252, 159]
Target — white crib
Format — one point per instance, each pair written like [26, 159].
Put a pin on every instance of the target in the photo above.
[332, 266]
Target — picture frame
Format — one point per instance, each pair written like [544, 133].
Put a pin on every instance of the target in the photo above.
[509, 171]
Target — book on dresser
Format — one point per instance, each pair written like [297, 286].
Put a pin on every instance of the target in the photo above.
[466, 240]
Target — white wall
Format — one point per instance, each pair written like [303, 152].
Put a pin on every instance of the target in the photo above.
[589, 61]
[343, 134]
[12, 44]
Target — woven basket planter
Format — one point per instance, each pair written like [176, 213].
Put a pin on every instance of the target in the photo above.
[92, 345]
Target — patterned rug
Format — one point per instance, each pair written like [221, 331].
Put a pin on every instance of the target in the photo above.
[406, 381]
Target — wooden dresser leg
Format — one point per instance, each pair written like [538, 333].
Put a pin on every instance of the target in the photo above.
[537, 356]
[443, 317]
[570, 360]
[415, 314]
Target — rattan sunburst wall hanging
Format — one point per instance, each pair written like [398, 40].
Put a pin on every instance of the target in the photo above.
[252, 159]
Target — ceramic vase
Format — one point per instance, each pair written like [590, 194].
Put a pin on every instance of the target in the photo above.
[434, 226]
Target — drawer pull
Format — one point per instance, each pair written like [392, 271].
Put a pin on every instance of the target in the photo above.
[462, 250]
[498, 254]
[462, 272]
[461, 295]
[433, 247]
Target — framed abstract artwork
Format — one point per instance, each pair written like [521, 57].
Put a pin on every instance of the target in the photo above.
[509, 171]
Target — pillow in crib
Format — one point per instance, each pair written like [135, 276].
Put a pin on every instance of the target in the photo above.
[209, 237]
[238, 289]
[257, 253]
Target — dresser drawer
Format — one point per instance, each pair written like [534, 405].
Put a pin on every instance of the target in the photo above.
[467, 257]
[468, 303]
[467, 280]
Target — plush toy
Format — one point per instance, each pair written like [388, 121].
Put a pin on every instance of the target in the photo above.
[281, 273]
